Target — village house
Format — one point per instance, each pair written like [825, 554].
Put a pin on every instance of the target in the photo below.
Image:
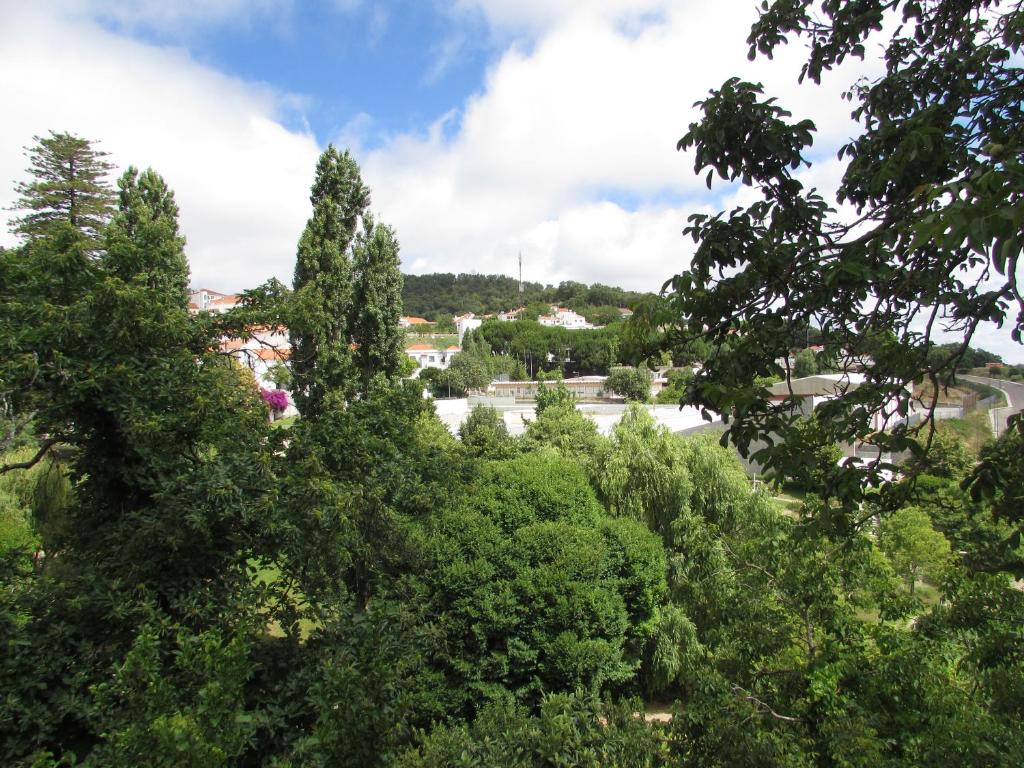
[429, 356]
[410, 321]
[466, 322]
[561, 317]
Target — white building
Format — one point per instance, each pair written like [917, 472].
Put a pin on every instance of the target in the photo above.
[429, 356]
[265, 348]
[467, 322]
[407, 321]
[564, 318]
[205, 300]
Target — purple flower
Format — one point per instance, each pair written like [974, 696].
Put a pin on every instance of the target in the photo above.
[277, 399]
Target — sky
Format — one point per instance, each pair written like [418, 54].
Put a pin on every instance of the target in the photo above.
[485, 128]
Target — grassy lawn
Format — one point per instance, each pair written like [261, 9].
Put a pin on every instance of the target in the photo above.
[266, 573]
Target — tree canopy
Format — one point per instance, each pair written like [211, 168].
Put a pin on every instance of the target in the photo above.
[934, 179]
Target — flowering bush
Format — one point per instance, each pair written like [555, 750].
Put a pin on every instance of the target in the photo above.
[277, 399]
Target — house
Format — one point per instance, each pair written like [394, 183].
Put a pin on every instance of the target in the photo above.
[466, 322]
[264, 348]
[205, 299]
[512, 314]
[564, 318]
[429, 356]
[811, 391]
[409, 321]
[583, 387]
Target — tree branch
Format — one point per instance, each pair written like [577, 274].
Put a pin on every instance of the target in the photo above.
[47, 444]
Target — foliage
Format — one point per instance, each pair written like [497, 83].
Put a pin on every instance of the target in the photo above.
[643, 476]
[588, 351]
[279, 375]
[678, 379]
[567, 729]
[805, 364]
[68, 185]
[276, 399]
[935, 178]
[915, 548]
[554, 396]
[535, 591]
[948, 456]
[376, 304]
[438, 294]
[319, 324]
[562, 427]
[634, 384]
[485, 435]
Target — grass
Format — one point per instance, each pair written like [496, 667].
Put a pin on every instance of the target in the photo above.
[436, 340]
[269, 574]
[285, 423]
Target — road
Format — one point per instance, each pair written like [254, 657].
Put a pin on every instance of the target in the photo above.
[1014, 397]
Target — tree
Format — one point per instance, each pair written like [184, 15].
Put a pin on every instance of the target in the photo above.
[916, 549]
[805, 364]
[377, 304]
[320, 322]
[69, 184]
[634, 384]
[935, 177]
[485, 435]
[553, 396]
[644, 476]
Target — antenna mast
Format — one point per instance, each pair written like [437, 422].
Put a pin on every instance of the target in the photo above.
[520, 273]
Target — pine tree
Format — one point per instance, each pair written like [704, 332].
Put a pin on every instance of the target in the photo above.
[322, 305]
[68, 185]
[377, 304]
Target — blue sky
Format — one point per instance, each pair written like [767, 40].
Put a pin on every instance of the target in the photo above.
[403, 63]
[484, 128]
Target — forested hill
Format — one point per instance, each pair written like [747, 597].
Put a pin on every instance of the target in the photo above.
[447, 294]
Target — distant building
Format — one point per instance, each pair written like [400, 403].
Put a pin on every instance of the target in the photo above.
[206, 300]
[564, 318]
[512, 314]
[409, 321]
[589, 387]
[429, 356]
[466, 322]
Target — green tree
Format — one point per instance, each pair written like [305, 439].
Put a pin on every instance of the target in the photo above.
[934, 174]
[805, 364]
[915, 548]
[319, 324]
[634, 384]
[69, 184]
[377, 304]
[557, 395]
[644, 476]
[485, 435]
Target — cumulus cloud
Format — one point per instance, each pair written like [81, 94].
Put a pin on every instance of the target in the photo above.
[584, 114]
[240, 177]
[566, 151]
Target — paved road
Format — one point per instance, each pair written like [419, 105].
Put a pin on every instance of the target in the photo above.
[1014, 397]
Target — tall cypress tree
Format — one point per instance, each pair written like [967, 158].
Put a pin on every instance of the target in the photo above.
[68, 185]
[322, 307]
[377, 304]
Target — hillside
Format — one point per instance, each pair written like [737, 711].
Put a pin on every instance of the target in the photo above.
[437, 294]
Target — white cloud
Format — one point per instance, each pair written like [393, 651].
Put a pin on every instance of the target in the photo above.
[566, 129]
[566, 152]
[241, 179]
